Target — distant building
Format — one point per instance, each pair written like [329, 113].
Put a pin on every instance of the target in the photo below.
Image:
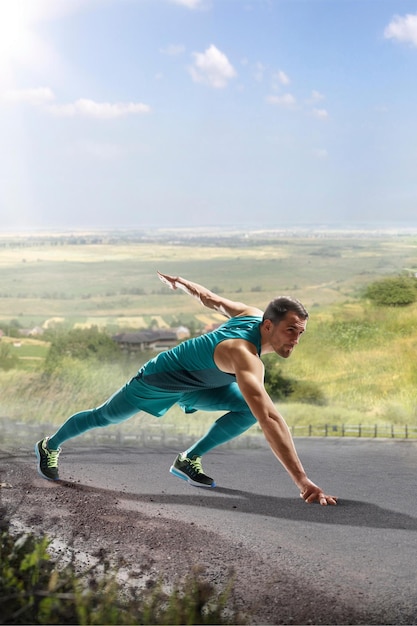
[152, 340]
[37, 331]
[182, 332]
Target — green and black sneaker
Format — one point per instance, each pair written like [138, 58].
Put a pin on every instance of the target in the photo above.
[47, 460]
[190, 469]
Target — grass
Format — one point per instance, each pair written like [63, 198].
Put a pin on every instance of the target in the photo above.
[25, 347]
[364, 360]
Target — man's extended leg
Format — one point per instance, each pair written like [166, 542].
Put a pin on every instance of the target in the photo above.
[116, 409]
[129, 400]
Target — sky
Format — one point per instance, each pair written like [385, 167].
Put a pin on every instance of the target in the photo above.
[139, 114]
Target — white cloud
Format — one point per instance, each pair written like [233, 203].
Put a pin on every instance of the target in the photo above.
[403, 29]
[44, 96]
[35, 96]
[282, 78]
[212, 68]
[321, 114]
[316, 96]
[287, 100]
[100, 110]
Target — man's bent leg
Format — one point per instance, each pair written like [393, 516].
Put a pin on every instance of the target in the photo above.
[224, 429]
[228, 426]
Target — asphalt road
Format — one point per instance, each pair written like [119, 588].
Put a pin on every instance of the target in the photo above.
[364, 549]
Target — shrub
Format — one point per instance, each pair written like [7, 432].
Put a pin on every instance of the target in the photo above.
[280, 387]
[393, 291]
[8, 360]
[81, 344]
[307, 392]
[276, 384]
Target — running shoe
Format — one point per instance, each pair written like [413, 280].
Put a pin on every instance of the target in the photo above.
[47, 460]
[190, 469]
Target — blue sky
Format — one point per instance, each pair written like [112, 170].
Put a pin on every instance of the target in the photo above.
[135, 114]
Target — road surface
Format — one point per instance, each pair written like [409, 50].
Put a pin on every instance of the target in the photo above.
[294, 563]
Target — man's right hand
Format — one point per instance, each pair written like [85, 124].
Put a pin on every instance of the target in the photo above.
[312, 493]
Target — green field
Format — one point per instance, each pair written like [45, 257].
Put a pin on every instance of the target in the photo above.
[360, 357]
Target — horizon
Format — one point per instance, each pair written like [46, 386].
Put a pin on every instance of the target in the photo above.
[384, 228]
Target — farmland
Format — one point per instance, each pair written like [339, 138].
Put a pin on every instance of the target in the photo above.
[114, 284]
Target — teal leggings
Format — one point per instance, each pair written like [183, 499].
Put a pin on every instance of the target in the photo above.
[135, 397]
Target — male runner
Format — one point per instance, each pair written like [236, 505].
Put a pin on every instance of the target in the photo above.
[220, 370]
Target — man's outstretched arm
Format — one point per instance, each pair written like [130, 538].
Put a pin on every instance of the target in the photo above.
[208, 298]
[249, 375]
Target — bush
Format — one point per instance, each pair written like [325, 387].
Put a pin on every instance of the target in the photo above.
[307, 392]
[81, 344]
[281, 388]
[8, 360]
[393, 291]
[277, 386]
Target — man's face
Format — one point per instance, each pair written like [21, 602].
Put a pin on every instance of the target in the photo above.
[285, 335]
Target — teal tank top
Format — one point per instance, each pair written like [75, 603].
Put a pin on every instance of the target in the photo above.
[190, 365]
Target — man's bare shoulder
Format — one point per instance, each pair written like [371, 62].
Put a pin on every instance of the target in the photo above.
[231, 354]
[251, 311]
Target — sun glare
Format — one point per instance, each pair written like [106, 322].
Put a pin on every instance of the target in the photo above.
[19, 44]
[13, 26]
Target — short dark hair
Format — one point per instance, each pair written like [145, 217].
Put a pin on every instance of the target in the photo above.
[277, 309]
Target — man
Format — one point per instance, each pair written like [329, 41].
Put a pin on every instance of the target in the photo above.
[220, 370]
